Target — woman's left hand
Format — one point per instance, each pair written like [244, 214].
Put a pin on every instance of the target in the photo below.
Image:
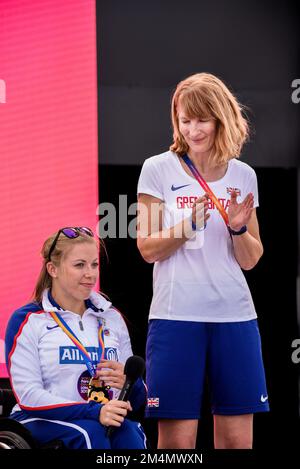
[240, 214]
[112, 373]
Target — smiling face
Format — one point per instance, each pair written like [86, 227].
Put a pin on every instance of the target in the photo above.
[199, 133]
[77, 272]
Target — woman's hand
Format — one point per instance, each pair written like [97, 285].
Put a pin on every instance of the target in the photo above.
[114, 412]
[239, 214]
[199, 211]
[112, 373]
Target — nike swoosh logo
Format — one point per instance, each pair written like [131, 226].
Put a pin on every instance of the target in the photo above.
[263, 398]
[173, 188]
[53, 327]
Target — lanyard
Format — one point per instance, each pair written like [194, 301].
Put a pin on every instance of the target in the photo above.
[206, 188]
[64, 326]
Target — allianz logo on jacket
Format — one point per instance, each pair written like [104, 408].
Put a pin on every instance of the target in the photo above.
[71, 354]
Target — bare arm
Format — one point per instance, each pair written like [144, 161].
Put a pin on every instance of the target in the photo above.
[156, 243]
[248, 247]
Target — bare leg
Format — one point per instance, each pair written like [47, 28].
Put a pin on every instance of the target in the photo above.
[233, 431]
[177, 434]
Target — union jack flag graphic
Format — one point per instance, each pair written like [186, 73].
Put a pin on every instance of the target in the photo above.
[235, 189]
[153, 401]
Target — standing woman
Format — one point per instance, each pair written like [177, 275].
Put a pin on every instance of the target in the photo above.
[198, 224]
[65, 353]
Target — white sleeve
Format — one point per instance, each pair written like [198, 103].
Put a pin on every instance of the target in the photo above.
[125, 343]
[150, 180]
[251, 186]
[138, 396]
[27, 384]
[25, 371]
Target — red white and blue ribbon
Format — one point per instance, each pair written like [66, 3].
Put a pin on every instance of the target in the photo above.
[206, 188]
[64, 326]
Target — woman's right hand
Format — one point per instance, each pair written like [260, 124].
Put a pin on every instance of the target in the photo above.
[114, 412]
[154, 242]
[199, 211]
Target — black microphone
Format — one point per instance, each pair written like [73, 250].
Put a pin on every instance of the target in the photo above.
[133, 369]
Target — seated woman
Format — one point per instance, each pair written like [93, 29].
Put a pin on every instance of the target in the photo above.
[65, 353]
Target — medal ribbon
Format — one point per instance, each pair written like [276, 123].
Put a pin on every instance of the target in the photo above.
[206, 188]
[64, 326]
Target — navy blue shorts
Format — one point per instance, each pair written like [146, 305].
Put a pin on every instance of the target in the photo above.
[179, 356]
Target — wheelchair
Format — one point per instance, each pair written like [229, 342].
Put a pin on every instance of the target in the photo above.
[13, 435]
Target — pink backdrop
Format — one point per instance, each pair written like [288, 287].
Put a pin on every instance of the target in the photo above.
[48, 135]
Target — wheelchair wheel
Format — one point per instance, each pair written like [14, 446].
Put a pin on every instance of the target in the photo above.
[10, 440]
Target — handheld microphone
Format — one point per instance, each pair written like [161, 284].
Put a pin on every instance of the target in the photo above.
[133, 369]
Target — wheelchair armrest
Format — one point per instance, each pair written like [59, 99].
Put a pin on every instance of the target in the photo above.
[7, 401]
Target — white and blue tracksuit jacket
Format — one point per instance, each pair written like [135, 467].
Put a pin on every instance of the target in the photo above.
[45, 366]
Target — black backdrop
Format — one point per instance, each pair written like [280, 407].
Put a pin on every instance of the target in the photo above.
[127, 279]
[144, 48]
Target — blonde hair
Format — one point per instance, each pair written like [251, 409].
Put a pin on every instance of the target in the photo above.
[62, 247]
[205, 96]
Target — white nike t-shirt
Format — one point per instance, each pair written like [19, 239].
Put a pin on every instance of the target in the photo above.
[202, 280]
